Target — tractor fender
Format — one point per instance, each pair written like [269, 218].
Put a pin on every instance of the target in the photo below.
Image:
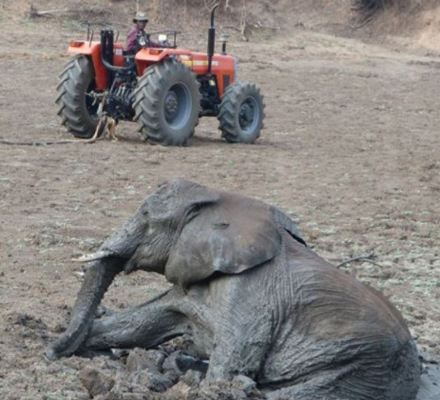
[223, 66]
[149, 56]
[93, 51]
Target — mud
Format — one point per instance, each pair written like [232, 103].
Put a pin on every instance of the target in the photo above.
[161, 374]
[170, 373]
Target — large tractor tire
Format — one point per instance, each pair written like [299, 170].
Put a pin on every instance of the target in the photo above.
[76, 108]
[167, 103]
[241, 113]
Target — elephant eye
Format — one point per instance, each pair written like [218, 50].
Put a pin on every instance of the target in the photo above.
[193, 212]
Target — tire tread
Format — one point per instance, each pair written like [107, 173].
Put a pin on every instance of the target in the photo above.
[77, 74]
[229, 108]
[146, 101]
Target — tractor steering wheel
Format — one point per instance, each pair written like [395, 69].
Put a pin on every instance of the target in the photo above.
[143, 39]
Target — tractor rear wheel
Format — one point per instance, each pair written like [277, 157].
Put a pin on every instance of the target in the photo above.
[167, 103]
[241, 113]
[76, 108]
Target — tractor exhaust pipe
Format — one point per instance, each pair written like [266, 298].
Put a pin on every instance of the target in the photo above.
[107, 41]
[211, 39]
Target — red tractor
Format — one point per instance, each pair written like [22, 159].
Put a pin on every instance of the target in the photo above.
[164, 89]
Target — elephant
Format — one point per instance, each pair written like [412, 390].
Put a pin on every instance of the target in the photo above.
[253, 297]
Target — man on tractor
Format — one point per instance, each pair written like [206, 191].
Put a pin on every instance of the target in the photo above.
[137, 37]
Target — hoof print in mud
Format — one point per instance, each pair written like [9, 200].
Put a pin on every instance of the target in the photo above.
[252, 298]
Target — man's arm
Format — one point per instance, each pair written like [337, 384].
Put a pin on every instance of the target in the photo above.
[153, 44]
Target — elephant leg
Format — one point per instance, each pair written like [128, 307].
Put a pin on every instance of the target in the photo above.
[145, 326]
[241, 346]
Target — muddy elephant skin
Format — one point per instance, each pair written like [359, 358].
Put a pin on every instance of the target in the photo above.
[252, 296]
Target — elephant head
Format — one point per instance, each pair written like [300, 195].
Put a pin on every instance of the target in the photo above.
[186, 232]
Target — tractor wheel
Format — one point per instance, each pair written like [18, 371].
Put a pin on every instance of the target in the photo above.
[241, 113]
[76, 108]
[167, 103]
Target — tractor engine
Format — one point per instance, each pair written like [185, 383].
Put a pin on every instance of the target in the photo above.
[120, 96]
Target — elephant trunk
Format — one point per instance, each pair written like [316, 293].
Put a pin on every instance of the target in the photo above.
[96, 281]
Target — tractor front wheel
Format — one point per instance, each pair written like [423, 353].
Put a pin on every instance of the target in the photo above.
[77, 108]
[167, 103]
[241, 113]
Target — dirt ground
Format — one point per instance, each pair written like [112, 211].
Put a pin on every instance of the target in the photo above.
[350, 149]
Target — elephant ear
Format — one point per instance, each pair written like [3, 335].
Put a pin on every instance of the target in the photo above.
[288, 225]
[228, 237]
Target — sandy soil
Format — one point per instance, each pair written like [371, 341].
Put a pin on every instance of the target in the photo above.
[350, 149]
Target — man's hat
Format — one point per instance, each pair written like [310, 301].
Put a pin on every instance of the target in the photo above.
[140, 17]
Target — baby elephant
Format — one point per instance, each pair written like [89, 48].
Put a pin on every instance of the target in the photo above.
[252, 296]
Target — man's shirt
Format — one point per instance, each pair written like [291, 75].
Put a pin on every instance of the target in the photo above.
[131, 42]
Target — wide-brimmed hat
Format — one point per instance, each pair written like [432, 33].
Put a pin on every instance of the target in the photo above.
[140, 17]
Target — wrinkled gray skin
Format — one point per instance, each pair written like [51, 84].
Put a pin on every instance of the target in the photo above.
[255, 300]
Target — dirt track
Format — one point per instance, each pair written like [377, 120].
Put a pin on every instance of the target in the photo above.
[351, 148]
